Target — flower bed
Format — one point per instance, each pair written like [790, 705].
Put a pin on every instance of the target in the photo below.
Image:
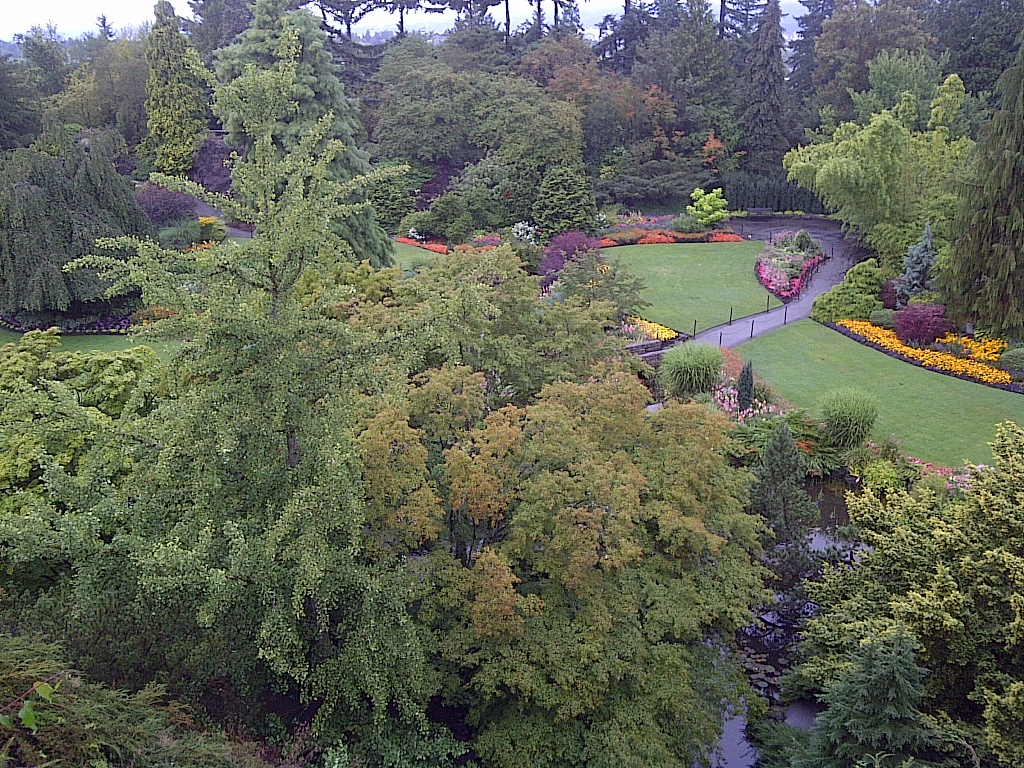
[653, 331]
[940, 361]
[435, 247]
[655, 236]
[787, 264]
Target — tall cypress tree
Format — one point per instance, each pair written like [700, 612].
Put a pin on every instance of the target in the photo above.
[802, 60]
[316, 92]
[766, 112]
[984, 277]
[175, 100]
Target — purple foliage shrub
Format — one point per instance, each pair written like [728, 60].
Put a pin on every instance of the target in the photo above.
[921, 323]
[888, 294]
[209, 168]
[162, 206]
[561, 249]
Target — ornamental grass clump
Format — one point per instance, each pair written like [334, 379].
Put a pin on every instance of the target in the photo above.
[848, 415]
[689, 369]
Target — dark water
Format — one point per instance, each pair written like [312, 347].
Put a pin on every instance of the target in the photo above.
[734, 751]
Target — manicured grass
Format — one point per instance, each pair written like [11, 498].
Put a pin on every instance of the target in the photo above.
[697, 281]
[938, 418]
[101, 342]
[409, 257]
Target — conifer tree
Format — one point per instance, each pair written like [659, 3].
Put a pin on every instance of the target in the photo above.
[984, 277]
[917, 266]
[745, 389]
[778, 495]
[873, 708]
[316, 93]
[565, 202]
[175, 101]
[765, 116]
[802, 60]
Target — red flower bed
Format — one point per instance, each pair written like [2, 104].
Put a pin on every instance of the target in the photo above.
[435, 247]
[725, 237]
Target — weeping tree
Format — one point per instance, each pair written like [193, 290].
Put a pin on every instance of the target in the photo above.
[983, 279]
[54, 204]
[317, 93]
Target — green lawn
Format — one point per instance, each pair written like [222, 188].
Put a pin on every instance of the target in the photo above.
[938, 418]
[101, 342]
[687, 282]
[409, 257]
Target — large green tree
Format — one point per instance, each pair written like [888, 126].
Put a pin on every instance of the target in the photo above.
[885, 180]
[19, 110]
[983, 278]
[766, 111]
[276, 37]
[948, 570]
[251, 515]
[856, 33]
[53, 206]
[109, 90]
[175, 97]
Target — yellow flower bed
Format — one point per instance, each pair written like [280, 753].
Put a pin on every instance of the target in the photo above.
[985, 351]
[940, 361]
[207, 221]
[653, 330]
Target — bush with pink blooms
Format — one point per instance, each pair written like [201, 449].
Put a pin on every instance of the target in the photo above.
[787, 263]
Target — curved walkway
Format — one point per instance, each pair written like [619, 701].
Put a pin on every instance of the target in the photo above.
[842, 254]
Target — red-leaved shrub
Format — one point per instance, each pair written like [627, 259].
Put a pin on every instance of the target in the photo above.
[162, 206]
[921, 323]
[561, 249]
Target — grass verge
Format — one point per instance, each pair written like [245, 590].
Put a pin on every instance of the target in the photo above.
[938, 418]
[697, 281]
[102, 342]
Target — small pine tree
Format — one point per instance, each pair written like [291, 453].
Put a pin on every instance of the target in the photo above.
[917, 265]
[778, 492]
[745, 388]
[565, 202]
[175, 100]
[873, 707]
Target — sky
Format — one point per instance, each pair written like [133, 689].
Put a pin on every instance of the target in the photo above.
[74, 17]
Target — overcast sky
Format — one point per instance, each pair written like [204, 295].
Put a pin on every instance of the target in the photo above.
[73, 17]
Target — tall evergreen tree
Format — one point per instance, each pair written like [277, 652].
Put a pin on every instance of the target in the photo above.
[316, 92]
[767, 110]
[175, 99]
[778, 495]
[983, 278]
[745, 387]
[802, 60]
[216, 23]
[19, 111]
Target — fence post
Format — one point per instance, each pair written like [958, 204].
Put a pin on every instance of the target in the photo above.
[695, 329]
[751, 329]
[730, 315]
[767, 303]
[785, 314]
[719, 338]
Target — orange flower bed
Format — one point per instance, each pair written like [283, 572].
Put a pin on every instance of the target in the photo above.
[725, 237]
[655, 238]
[435, 247]
[943, 362]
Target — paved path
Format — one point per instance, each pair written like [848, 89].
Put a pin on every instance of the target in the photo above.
[842, 254]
